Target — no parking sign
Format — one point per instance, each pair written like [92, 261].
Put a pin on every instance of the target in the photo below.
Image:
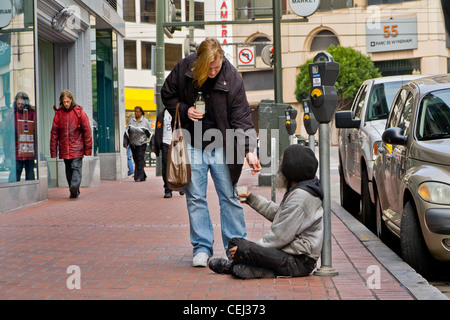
[246, 56]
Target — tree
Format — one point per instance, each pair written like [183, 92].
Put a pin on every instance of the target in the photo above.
[354, 69]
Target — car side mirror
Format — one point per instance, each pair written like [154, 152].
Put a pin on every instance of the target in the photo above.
[344, 119]
[394, 135]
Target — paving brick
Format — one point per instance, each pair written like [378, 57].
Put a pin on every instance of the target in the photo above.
[130, 243]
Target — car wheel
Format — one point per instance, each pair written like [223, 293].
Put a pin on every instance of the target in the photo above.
[349, 198]
[367, 207]
[413, 247]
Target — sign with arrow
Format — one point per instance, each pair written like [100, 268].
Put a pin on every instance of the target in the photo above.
[246, 56]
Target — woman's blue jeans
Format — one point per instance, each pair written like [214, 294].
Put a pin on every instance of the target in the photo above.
[232, 218]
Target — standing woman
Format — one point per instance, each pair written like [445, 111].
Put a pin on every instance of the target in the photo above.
[136, 136]
[71, 137]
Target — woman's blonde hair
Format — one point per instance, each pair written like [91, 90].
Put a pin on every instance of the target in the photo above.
[208, 51]
[68, 94]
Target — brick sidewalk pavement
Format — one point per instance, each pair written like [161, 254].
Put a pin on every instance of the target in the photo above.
[130, 243]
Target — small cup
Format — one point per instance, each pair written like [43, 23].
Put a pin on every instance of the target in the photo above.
[242, 190]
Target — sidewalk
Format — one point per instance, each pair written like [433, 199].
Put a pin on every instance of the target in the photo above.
[130, 243]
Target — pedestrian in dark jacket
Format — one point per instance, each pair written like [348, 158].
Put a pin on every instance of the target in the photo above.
[294, 241]
[71, 138]
[227, 111]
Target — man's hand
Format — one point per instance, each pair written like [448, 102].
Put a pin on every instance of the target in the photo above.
[194, 114]
[253, 162]
[233, 251]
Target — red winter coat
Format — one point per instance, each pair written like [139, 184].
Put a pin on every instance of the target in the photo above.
[71, 134]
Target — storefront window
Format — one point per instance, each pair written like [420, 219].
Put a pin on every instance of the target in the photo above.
[18, 139]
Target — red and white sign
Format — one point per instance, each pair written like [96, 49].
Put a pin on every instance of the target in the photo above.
[246, 56]
[224, 12]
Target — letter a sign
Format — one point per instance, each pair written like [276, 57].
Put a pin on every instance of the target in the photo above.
[304, 8]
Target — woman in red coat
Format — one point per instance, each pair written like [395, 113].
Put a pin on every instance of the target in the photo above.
[71, 137]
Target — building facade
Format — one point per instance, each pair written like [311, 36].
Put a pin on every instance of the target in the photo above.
[48, 46]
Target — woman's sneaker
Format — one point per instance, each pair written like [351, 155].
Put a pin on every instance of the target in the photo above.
[200, 259]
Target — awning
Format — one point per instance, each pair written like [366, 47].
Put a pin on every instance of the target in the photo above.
[144, 98]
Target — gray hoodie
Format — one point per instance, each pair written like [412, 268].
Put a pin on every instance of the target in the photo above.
[297, 226]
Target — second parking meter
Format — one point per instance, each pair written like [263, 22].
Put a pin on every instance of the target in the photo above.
[291, 122]
[309, 120]
[323, 72]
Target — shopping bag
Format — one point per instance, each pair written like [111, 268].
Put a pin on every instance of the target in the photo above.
[178, 166]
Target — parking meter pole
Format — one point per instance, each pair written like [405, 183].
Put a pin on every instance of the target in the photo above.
[273, 167]
[278, 73]
[312, 142]
[326, 268]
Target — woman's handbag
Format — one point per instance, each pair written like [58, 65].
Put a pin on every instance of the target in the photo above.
[178, 166]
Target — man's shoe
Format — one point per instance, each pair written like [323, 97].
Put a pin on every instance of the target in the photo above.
[245, 271]
[168, 195]
[73, 192]
[200, 260]
[221, 265]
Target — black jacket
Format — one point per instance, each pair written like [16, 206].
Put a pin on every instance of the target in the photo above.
[229, 102]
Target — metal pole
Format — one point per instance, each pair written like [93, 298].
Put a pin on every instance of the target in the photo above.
[273, 167]
[160, 65]
[312, 143]
[326, 268]
[278, 75]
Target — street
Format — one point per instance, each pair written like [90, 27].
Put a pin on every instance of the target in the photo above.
[442, 284]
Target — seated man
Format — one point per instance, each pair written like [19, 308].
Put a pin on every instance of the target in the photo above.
[294, 241]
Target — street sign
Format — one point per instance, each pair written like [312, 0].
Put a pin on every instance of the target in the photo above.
[246, 56]
[5, 13]
[304, 8]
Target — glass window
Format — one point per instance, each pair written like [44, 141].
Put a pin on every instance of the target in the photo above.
[146, 55]
[381, 98]
[258, 80]
[253, 9]
[326, 5]
[18, 139]
[434, 116]
[397, 108]
[405, 117]
[130, 54]
[129, 10]
[323, 40]
[360, 104]
[199, 12]
[173, 54]
[148, 9]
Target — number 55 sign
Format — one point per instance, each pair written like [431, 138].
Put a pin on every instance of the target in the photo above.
[392, 35]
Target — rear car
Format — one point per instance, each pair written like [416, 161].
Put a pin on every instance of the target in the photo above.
[360, 130]
[412, 173]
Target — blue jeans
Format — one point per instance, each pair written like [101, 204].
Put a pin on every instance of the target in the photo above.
[232, 218]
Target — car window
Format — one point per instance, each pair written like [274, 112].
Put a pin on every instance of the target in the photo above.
[396, 109]
[381, 98]
[434, 116]
[360, 103]
[405, 116]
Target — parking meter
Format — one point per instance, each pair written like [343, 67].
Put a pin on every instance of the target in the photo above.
[309, 120]
[291, 123]
[323, 72]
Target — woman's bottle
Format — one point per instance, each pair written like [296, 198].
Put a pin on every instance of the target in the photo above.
[200, 103]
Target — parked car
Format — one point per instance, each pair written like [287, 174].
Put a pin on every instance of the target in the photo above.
[361, 128]
[412, 173]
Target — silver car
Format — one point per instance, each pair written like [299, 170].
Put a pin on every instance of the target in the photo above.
[361, 129]
[412, 173]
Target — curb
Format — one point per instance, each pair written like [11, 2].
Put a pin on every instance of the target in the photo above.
[400, 270]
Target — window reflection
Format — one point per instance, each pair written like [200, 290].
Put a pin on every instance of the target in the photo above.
[18, 152]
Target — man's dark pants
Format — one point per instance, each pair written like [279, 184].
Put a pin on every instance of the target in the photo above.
[74, 170]
[139, 161]
[282, 263]
[165, 154]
